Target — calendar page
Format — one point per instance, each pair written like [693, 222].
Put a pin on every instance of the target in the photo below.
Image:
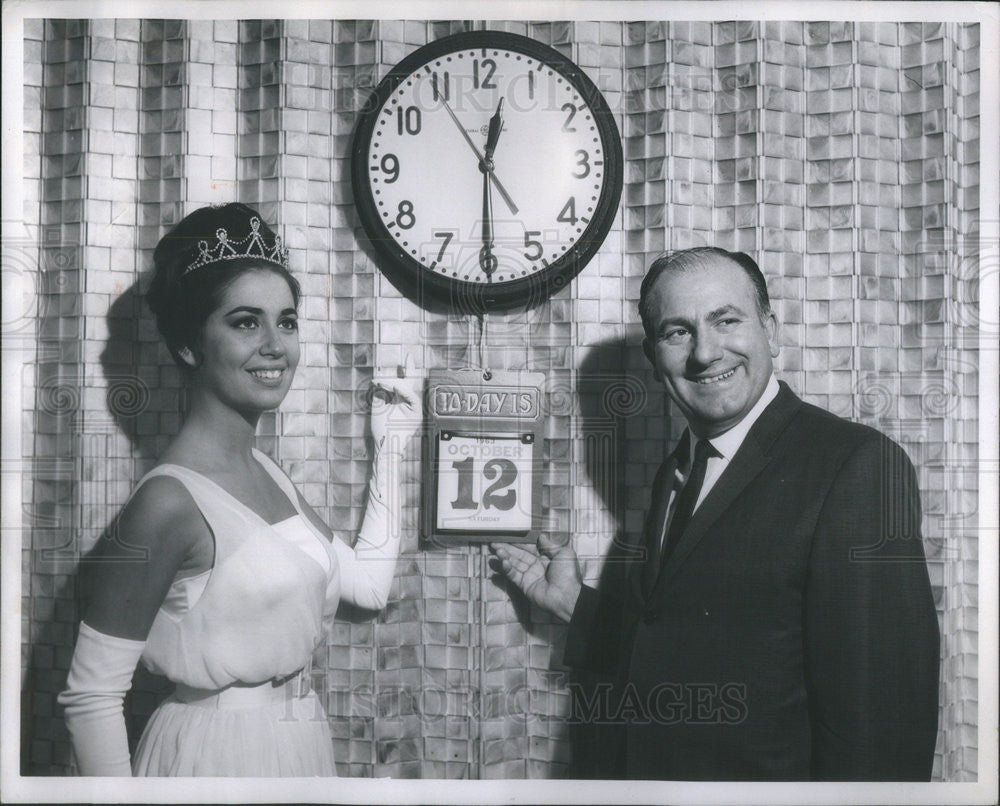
[484, 482]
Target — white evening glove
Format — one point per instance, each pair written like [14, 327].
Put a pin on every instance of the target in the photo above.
[99, 675]
[366, 571]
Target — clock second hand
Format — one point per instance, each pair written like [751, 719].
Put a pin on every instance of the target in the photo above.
[503, 191]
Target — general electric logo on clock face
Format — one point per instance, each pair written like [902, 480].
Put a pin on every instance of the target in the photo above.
[487, 162]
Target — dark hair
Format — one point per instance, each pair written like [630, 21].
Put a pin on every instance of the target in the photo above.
[696, 257]
[197, 261]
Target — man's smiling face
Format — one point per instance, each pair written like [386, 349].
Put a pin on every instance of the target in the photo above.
[709, 343]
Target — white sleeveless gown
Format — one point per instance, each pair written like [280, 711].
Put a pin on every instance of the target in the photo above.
[234, 642]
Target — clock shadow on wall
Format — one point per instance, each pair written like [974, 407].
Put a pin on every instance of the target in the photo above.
[486, 169]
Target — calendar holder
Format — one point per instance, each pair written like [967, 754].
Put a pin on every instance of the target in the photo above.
[482, 458]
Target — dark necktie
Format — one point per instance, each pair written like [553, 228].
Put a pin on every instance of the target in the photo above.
[689, 495]
[664, 484]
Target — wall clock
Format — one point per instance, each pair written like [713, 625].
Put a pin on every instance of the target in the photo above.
[487, 171]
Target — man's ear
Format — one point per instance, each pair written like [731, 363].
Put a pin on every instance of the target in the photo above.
[647, 349]
[770, 323]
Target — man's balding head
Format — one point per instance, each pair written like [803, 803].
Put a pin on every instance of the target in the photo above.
[696, 258]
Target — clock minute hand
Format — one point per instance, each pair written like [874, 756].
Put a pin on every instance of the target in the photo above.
[502, 190]
[487, 260]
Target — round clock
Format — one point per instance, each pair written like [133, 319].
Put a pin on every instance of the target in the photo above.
[487, 170]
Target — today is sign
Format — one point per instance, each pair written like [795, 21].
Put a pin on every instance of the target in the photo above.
[451, 401]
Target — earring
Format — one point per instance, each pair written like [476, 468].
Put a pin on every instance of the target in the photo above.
[189, 358]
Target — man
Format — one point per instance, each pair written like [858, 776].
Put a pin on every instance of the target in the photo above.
[775, 619]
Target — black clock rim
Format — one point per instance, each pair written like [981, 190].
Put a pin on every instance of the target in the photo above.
[415, 279]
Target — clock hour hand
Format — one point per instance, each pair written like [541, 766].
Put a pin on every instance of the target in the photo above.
[502, 190]
[496, 126]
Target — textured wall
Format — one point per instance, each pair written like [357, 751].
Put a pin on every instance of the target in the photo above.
[844, 157]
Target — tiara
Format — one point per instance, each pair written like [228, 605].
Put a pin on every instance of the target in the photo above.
[251, 246]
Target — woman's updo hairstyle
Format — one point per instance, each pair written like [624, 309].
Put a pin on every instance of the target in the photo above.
[198, 259]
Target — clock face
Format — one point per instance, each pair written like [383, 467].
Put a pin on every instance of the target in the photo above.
[494, 229]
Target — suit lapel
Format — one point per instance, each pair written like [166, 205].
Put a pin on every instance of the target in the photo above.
[641, 557]
[751, 458]
[748, 462]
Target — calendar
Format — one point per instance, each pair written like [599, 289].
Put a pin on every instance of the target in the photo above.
[482, 464]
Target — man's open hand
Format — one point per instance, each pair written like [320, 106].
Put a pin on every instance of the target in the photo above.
[551, 579]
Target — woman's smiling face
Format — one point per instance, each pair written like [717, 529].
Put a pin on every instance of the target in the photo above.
[250, 343]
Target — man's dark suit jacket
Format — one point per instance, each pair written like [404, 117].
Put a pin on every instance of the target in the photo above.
[791, 635]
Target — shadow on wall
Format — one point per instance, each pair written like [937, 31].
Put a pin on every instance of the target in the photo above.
[615, 399]
[615, 385]
[134, 398]
[75, 437]
[130, 383]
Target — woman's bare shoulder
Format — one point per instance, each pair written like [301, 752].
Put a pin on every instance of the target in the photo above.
[162, 513]
[159, 534]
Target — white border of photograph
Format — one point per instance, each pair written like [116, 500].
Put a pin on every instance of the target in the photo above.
[15, 788]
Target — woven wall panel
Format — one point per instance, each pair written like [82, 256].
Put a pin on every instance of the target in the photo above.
[843, 156]
[25, 336]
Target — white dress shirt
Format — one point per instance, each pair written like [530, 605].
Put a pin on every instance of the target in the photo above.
[726, 445]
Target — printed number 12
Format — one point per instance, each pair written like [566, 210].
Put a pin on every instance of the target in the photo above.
[502, 468]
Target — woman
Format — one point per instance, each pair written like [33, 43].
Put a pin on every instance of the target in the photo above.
[218, 574]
